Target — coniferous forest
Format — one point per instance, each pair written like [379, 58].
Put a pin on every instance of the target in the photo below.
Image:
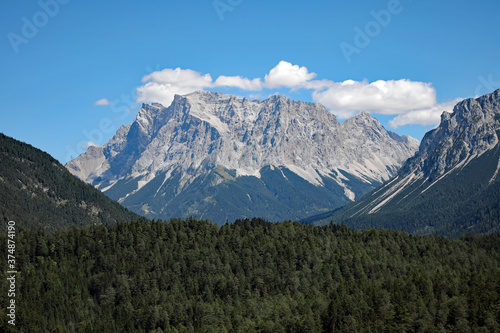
[252, 276]
[38, 192]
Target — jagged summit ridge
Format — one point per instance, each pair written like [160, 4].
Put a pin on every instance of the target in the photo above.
[467, 133]
[245, 135]
[202, 131]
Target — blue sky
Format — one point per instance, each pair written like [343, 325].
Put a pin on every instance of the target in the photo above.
[403, 61]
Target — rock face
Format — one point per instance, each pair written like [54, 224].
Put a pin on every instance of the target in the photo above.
[223, 150]
[462, 136]
[451, 183]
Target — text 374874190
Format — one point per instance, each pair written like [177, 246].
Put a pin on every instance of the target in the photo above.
[11, 273]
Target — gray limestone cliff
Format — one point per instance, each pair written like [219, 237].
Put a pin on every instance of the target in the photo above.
[206, 131]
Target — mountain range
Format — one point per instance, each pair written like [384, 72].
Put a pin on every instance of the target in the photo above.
[451, 186]
[217, 156]
[277, 158]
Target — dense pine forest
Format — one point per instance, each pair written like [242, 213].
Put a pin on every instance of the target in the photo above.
[252, 276]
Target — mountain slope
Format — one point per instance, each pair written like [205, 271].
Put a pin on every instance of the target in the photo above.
[215, 156]
[450, 186]
[38, 192]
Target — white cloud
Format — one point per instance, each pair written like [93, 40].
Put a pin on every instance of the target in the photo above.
[318, 85]
[287, 75]
[89, 144]
[180, 77]
[429, 116]
[238, 82]
[411, 102]
[102, 101]
[154, 92]
[383, 97]
[161, 86]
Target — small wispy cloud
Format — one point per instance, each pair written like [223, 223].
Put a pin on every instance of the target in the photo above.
[89, 144]
[102, 101]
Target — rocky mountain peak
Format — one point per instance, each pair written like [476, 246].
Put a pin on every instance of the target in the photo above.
[206, 131]
[465, 134]
[364, 120]
[451, 186]
[364, 116]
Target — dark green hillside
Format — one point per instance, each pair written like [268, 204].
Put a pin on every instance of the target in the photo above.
[38, 192]
[252, 276]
